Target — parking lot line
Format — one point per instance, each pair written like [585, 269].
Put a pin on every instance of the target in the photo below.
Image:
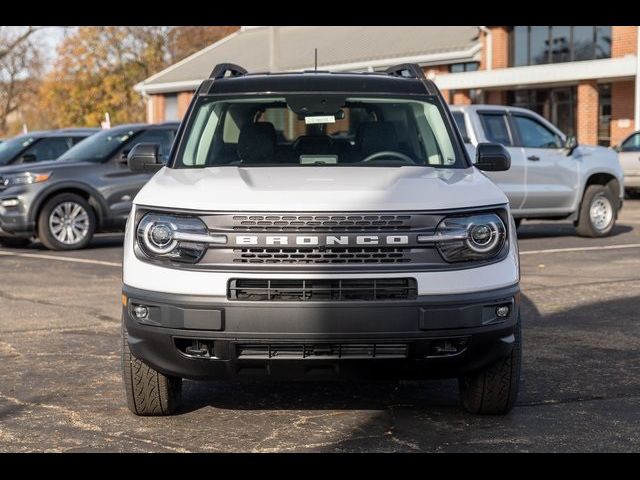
[61, 259]
[581, 249]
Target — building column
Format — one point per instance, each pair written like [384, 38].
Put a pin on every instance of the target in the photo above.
[588, 112]
[495, 97]
[461, 97]
[622, 110]
[184, 99]
[156, 114]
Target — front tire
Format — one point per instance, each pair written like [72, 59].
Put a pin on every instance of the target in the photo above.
[148, 392]
[493, 390]
[66, 222]
[598, 212]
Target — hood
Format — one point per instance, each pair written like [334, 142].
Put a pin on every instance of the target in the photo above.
[278, 189]
[38, 167]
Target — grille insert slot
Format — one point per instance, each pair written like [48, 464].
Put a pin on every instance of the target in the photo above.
[321, 290]
[316, 255]
[313, 223]
[321, 350]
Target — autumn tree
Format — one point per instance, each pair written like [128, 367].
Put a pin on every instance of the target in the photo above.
[20, 67]
[95, 71]
[185, 40]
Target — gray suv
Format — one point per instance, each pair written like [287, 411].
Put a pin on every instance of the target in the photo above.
[89, 189]
[42, 145]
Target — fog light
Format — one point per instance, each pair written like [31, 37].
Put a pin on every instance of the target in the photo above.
[141, 312]
[503, 311]
[10, 202]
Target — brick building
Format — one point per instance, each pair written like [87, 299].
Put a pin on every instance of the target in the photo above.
[582, 78]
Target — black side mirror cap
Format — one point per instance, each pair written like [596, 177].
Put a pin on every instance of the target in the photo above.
[492, 157]
[145, 158]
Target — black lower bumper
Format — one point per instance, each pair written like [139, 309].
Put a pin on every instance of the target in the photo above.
[431, 336]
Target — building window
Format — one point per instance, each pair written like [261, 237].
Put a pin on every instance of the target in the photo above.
[536, 45]
[558, 105]
[171, 107]
[464, 67]
[604, 114]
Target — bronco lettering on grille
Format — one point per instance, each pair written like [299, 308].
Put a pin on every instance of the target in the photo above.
[328, 240]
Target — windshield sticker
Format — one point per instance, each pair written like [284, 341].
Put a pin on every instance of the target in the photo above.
[320, 119]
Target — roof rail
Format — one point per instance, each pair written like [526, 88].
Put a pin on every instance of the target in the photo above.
[220, 70]
[412, 69]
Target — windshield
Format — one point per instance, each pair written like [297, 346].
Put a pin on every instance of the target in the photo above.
[318, 129]
[97, 147]
[10, 148]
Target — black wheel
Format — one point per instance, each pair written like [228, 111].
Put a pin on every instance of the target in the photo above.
[66, 222]
[14, 242]
[494, 389]
[517, 221]
[598, 212]
[148, 392]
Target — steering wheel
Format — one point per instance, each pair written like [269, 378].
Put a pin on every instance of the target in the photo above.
[388, 153]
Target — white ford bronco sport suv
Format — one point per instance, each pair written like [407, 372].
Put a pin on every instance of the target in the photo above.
[320, 225]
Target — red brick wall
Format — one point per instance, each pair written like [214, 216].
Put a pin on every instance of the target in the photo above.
[184, 98]
[622, 102]
[587, 112]
[623, 40]
[500, 39]
[461, 97]
[156, 115]
[495, 97]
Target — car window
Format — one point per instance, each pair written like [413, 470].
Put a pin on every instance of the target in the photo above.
[495, 128]
[48, 148]
[162, 137]
[77, 140]
[10, 148]
[459, 119]
[534, 134]
[632, 144]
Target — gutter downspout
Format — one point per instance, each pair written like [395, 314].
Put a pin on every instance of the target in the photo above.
[488, 46]
[636, 110]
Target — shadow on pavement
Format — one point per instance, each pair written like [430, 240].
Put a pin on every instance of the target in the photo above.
[582, 353]
[546, 230]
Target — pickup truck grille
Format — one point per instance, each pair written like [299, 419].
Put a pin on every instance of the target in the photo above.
[320, 290]
[317, 256]
[322, 351]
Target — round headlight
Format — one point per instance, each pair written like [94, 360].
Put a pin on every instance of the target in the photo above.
[158, 237]
[483, 237]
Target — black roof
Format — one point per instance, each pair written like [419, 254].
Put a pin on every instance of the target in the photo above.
[402, 79]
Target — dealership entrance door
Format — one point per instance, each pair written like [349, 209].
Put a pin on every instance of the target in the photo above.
[558, 105]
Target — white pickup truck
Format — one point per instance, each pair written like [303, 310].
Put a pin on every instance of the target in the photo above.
[551, 176]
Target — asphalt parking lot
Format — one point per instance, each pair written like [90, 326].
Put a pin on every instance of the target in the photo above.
[61, 389]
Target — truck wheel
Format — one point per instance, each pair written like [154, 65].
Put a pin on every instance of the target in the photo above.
[66, 222]
[493, 390]
[148, 392]
[597, 213]
[14, 242]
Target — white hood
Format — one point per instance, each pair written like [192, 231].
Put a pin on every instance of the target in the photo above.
[296, 189]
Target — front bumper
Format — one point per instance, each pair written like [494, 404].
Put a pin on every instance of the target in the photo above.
[314, 340]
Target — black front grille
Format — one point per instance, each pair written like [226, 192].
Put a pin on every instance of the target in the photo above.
[321, 290]
[321, 351]
[314, 255]
[326, 222]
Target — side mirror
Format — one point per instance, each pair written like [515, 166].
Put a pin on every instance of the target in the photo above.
[145, 158]
[492, 157]
[571, 144]
[617, 148]
[124, 157]
[29, 158]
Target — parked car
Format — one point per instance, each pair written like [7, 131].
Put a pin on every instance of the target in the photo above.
[41, 146]
[551, 177]
[320, 225]
[88, 189]
[629, 154]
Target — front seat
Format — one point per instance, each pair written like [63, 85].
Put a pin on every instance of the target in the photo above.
[257, 143]
[373, 137]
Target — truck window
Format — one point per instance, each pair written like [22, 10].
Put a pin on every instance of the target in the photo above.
[534, 134]
[632, 144]
[459, 119]
[495, 128]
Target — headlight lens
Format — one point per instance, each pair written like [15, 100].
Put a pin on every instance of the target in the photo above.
[175, 238]
[26, 178]
[476, 237]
